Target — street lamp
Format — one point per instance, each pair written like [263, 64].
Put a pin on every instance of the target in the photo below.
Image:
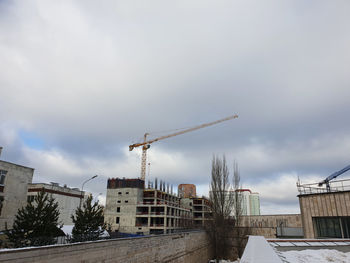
[82, 187]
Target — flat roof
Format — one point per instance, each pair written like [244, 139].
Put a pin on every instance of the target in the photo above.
[1, 161]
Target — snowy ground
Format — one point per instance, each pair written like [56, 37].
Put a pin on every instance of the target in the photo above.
[315, 256]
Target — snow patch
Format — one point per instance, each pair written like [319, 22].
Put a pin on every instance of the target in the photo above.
[316, 256]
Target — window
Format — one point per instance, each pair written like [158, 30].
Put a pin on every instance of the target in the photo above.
[1, 203]
[2, 177]
[126, 201]
[328, 227]
[118, 209]
[118, 201]
[127, 193]
[117, 220]
[119, 193]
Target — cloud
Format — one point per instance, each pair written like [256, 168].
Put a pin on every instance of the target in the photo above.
[88, 79]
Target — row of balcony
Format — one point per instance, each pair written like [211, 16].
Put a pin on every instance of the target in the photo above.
[158, 203]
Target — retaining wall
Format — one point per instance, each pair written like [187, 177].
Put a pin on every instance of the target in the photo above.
[184, 247]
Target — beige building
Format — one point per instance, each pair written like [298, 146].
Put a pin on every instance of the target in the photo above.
[14, 181]
[325, 213]
[130, 208]
[68, 199]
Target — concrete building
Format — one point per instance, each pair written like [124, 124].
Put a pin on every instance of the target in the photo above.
[130, 208]
[14, 181]
[186, 190]
[68, 198]
[325, 213]
[201, 211]
[250, 202]
[254, 203]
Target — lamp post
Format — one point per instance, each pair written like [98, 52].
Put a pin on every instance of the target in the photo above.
[82, 187]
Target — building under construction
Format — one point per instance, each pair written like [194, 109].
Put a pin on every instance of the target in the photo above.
[132, 208]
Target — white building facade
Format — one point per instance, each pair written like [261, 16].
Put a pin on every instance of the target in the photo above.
[68, 199]
[14, 181]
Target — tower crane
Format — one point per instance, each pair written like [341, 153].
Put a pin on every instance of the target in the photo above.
[333, 176]
[146, 144]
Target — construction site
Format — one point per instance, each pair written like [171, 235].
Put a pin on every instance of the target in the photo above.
[131, 207]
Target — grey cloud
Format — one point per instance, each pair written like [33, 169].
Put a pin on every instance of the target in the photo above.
[90, 78]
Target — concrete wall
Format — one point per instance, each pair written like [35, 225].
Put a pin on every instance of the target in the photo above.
[14, 191]
[287, 220]
[333, 204]
[266, 225]
[185, 247]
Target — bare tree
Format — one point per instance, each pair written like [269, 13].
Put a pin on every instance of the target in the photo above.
[221, 194]
[222, 202]
[226, 201]
[239, 233]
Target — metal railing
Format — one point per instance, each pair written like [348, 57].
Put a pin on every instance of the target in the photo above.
[314, 188]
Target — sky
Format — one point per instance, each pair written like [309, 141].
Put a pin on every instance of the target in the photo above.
[82, 80]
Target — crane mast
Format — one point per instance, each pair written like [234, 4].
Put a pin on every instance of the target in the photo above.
[146, 143]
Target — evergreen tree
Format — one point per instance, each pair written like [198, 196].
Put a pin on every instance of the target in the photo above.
[88, 221]
[36, 224]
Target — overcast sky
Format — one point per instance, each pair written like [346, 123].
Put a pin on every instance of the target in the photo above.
[81, 80]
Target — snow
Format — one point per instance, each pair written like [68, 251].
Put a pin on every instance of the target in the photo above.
[258, 250]
[67, 229]
[315, 256]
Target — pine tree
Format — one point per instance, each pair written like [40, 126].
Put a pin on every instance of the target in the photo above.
[88, 221]
[36, 224]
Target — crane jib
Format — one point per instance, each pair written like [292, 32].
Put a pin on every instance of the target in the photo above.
[146, 144]
[131, 147]
[336, 174]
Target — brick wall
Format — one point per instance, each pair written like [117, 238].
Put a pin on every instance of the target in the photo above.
[173, 248]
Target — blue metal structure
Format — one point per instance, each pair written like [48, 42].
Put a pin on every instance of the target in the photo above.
[333, 176]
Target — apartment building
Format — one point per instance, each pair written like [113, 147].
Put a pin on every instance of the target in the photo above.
[186, 190]
[130, 208]
[250, 202]
[14, 181]
[68, 199]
